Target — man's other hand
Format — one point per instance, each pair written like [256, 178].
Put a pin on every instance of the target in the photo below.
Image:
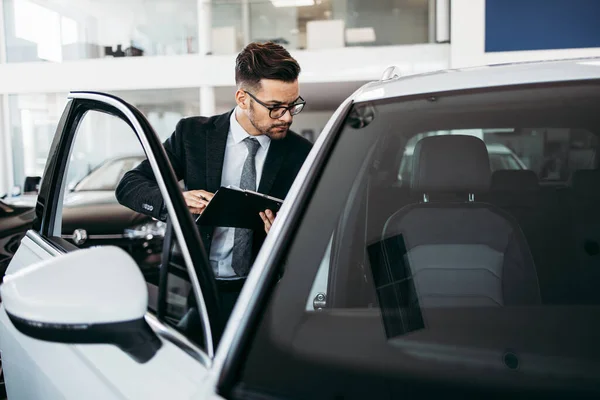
[268, 217]
[197, 200]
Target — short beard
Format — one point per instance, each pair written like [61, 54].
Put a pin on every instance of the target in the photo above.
[267, 130]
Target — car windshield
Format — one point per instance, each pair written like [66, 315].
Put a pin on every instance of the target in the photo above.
[488, 261]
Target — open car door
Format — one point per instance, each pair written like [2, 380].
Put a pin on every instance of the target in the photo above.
[74, 322]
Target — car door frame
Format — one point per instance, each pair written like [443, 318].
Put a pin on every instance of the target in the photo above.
[47, 228]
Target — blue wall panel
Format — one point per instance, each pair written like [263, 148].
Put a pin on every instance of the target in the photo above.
[514, 25]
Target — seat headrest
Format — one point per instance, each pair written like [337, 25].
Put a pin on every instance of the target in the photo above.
[450, 164]
[586, 182]
[515, 180]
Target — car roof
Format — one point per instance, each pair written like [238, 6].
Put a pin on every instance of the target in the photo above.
[481, 77]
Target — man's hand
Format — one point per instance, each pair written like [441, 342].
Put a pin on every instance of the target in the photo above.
[268, 217]
[197, 200]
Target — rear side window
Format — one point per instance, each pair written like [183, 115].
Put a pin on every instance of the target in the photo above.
[465, 250]
[554, 154]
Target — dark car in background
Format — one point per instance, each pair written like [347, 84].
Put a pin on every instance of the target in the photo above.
[92, 217]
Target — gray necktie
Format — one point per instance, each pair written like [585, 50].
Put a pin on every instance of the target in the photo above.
[242, 239]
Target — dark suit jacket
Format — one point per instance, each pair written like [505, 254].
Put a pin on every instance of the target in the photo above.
[196, 150]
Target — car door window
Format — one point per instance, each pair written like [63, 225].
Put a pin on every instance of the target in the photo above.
[95, 148]
[435, 286]
[103, 147]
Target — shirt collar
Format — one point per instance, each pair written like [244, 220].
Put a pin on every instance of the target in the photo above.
[238, 133]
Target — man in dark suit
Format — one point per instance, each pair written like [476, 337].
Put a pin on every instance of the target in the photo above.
[250, 147]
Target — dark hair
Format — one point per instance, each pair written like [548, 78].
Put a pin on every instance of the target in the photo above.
[264, 61]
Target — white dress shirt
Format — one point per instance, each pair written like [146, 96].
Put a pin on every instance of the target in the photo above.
[221, 249]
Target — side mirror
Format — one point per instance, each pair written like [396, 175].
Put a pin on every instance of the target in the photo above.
[32, 184]
[91, 296]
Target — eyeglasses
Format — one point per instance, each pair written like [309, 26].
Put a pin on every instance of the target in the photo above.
[276, 112]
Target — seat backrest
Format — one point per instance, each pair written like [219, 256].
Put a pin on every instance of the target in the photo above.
[457, 253]
[584, 202]
[521, 180]
[585, 221]
[585, 189]
[541, 214]
[516, 191]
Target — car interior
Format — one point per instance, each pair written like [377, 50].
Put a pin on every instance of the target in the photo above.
[555, 221]
[553, 224]
[457, 253]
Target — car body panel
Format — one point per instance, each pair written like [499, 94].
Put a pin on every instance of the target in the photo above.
[29, 252]
[100, 372]
[482, 77]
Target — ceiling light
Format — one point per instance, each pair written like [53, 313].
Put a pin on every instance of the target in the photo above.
[293, 3]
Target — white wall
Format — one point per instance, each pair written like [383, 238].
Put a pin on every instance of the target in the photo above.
[468, 40]
[131, 73]
[32, 124]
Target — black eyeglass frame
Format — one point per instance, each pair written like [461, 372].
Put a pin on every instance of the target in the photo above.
[289, 108]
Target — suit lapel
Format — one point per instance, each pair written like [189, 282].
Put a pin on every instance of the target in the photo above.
[216, 141]
[275, 157]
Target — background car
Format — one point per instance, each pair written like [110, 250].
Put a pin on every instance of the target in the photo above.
[92, 216]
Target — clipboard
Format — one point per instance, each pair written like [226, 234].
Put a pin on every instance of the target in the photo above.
[237, 208]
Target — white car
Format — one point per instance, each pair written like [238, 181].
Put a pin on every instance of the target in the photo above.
[363, 288]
